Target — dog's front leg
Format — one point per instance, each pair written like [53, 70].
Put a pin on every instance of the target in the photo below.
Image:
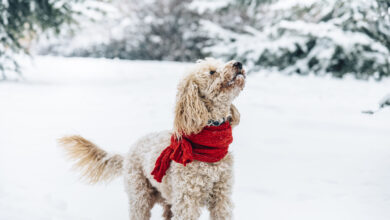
[220, 203]
[187, 205]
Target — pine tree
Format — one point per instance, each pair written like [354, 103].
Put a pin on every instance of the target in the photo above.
[167, 30]
[337, 37]
[21, 21]
[155, 30]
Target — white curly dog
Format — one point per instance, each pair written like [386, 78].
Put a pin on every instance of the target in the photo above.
[204, 98]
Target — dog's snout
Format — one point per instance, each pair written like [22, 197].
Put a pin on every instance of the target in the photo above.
[238, 65]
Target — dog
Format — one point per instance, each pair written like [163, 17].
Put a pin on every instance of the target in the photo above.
[204, 98]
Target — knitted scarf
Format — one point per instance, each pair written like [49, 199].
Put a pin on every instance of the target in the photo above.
[210, 145]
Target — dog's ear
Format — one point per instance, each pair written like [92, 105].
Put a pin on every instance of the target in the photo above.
[191, 114]
[235, 115]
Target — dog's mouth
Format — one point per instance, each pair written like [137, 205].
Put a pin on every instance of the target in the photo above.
[238, 78]
[238, 74]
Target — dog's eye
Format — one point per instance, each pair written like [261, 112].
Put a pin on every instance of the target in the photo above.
[212, 72]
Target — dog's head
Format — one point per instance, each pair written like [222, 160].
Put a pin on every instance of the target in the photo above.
[206, 93]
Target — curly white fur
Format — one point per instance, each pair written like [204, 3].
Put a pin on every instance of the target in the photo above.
[206, 93]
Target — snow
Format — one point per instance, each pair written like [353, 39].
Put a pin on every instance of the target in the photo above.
[303, 149]
[98, 22]
[385, 101]
[203, 5]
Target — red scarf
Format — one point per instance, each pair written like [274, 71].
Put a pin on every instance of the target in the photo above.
[210, 145]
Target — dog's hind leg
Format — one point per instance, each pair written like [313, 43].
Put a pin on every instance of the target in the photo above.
[167, 214]
[141, 194]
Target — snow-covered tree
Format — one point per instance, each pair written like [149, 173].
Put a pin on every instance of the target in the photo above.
[322, 37]
[168, 29]
[22, 20]
[337, 37]
[154, 30]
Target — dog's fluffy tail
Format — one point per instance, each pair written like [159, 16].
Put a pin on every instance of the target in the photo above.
[95, 164]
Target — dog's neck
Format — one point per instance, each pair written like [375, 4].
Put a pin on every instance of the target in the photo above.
[212, 122]
[218, 114]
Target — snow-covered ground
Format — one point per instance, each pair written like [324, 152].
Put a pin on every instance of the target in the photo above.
[303, 149]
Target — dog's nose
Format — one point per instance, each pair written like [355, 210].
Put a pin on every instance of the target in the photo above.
[238, 65]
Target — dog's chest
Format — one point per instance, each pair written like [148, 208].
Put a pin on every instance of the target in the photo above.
[207, 171]
[196, 179]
